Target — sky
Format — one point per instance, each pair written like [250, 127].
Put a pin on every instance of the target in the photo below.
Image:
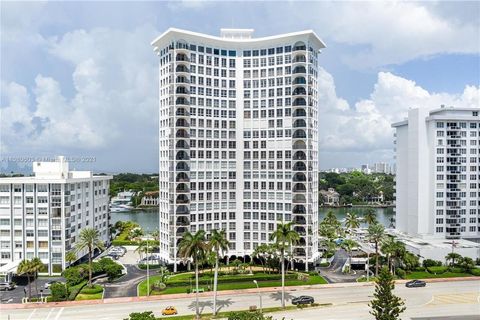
[80, 78]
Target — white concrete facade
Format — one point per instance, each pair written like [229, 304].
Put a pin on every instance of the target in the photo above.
[238, 137]
[42, 215]
[437, 181]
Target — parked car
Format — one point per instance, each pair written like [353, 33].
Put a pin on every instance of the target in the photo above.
[4, 286]
[415, 283]
[303, 300]
[169, 311]
[49, 283]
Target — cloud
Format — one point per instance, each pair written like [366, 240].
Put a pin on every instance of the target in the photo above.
[366, 126]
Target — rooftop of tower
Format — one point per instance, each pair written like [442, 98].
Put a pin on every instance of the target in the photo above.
[240, 38]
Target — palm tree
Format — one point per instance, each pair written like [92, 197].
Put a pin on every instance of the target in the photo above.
[349, 245]
[25, 268]
[370, 216]
[260, 253]
[70, 257]
[36, 266]
[388, 247]
[89, 239]
[352, 221]
[453, 256]
[284, 237]
[194, 246]
[219, 244]
[376, 233]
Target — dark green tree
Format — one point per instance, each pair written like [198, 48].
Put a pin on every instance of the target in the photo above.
[386, 305]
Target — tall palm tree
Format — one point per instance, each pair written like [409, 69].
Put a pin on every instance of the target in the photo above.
[388, 247]
[453, 256]
[89, 239]
[25, 268]
[352, 221]
[370, 217]
[376, 233]
[194, 246]
[219, 244]
[36, 266]
[349, 245]
[284, 237]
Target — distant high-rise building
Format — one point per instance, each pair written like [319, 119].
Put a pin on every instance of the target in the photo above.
[238, 138]
[43, 215]
[437, 181]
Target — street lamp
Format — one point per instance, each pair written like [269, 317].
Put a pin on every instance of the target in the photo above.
[259, 295]
[368, 266]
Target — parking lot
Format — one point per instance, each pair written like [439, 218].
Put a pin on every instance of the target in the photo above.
[21, 289]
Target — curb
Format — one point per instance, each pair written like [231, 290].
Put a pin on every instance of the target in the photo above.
[219, 293]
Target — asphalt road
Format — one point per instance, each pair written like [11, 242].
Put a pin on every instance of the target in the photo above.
[126, 286]
[349, 302]
[334, 274]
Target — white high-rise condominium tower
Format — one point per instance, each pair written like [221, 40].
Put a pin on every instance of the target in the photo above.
[42, 215]
[238, 137]
[438, 180]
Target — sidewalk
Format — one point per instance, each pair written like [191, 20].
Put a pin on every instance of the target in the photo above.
[210, 293]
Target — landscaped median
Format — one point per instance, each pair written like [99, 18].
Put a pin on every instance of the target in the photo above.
[90, 293]
[185, 282]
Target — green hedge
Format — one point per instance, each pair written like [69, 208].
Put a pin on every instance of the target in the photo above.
[75, 290]
[150, 267]
[475, 272]
[456, 269]
[134, 243]
[92, 290]
[437, 270]
[230, 279]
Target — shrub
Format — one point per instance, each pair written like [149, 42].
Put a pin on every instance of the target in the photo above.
[437, 270]
[248, 315]
[113, 271]
[147, 315]
[96, 288]
[419, 269]
[475, 272]
[456, 269]
[400, 273]
[74, 275]
[431, 263]
[158, 286]
[59, 292]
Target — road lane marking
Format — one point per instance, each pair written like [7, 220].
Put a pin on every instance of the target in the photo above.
[457, 298]
[31, 314]
[48, 315]
[59, 313]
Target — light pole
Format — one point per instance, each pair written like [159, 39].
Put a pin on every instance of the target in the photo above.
[148, 272]
[259, 295]
[368, 266]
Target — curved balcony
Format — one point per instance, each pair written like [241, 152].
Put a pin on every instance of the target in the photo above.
[299, 166]
[299, 102]
[182, 177]
[182, 198]
[299, 198]
[299, 209]
[182, 133]
[182, 155]
[181, 231]
[299, 145]
[182, 91]
[299, 46]
[182, 221]
[299, 177]
[299, 187]
[299, 91]
[299, 252]
[182, 102]
[181, 112]
[299, 134]
[182, 209]
[301, 242]
[182, 166]
[182, 69]
[183, 80]
[299, 59]
[182, 144]
[182, 123]
[182, 58]
[299, 113]
[299, 220]
[299, 155]
[299, 69]
[182, 188]
[299, 81]
[300, 230]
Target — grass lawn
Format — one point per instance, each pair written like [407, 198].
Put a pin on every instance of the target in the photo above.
[226, 285]
[95, 296]
[428, 275]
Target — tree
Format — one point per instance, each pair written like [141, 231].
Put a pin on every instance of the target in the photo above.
[219, 244]
[466, 263]
[370, 216]
[453, 256]
[194, 246]
[70, 257]
[349, 245]
[385, 305]
[260, 252]
[376, 233]
[284, 237]
[135, 233]
[89, 239]
[352, 221]
[36, 267]
[25, 268]
[59, 291]
[392, 249]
